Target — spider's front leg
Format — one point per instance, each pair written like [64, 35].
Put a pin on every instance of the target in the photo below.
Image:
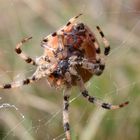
[20, 83]
[25, 57]
[40, 73]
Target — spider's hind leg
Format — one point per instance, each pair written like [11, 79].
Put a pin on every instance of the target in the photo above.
[25, 57]
[66, 114]
[94, 100]
[66, 96]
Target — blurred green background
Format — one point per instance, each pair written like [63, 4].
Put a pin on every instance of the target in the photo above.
[34, 112]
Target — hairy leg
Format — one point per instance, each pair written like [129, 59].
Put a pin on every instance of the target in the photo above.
[35, 77]
[94, 100]
[93, 67]
[63, 29]
[105, 41]
[19, 83]
[90, 98]
[25, 57]
[66, 96]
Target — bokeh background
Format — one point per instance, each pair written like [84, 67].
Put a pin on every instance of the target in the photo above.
[34, 112]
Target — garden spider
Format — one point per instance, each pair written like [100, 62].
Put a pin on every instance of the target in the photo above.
[71, 57]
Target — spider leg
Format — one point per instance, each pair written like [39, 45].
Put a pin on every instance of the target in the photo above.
[105, 41]
[100, 60]
[66, 114]
[19, 83]
[71, 21]
[96, 68]
[66, 96]
[92, 99]
[62, 30]
[93, 67]
[35, 77]
[22, 54]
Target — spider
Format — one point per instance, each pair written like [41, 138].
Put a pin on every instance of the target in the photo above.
[71, 57]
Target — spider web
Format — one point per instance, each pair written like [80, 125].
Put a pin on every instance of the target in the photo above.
[125, 45]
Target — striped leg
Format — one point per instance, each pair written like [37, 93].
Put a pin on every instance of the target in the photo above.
[66, 114]
[96, 101]
[63, 29]
[22, 54]
[105, 41]
[99, 59]
[93, 67]
[66, 96]
[91, 99]
[35, 77]
[18, 83]
[71, 22]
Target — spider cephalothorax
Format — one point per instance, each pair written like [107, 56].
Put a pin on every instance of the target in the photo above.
[71, 57]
